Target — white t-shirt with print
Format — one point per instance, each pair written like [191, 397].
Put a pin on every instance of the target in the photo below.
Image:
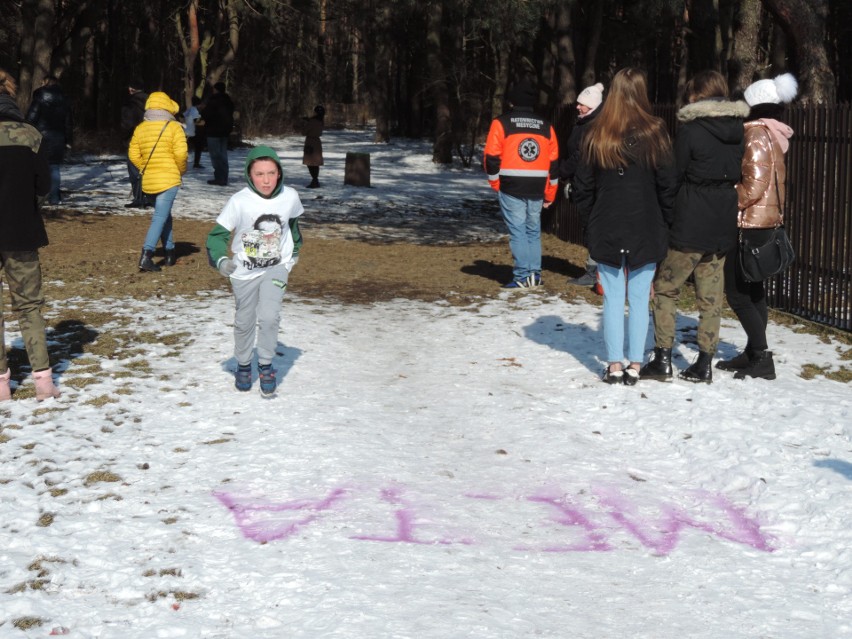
[260, 230]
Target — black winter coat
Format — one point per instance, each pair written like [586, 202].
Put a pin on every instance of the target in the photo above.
[218, 114]
[626, 211]
[50, 113]
[708, 152]
[571, 158]
[133, 112]
[24, 181]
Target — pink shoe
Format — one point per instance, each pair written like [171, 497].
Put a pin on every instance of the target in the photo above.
[5, 391]
[44, 385]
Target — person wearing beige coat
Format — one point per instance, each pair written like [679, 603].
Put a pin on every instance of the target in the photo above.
[158, 149]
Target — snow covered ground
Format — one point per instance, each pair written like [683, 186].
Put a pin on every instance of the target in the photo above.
[426, 471]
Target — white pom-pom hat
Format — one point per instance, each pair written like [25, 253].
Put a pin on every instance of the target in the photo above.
[781, 89]
[591, 96]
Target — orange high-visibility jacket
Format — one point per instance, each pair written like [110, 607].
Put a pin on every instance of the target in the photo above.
[522, 155]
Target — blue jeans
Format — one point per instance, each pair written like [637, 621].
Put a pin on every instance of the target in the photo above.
[161, 221]
[523, 219]
[55, 179]
[218, 149]
[634, 285]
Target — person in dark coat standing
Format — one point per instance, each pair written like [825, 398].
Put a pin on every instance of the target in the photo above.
[312, 152]
[588, 107]
[218, 114]
[624, 189]
[132, 112]
[50, 113]
[708, 152]
[24, 185]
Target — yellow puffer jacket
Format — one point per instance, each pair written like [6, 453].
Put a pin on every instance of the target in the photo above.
[168, 161]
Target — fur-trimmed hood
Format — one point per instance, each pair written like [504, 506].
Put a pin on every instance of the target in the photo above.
[720, 118]
[713, 109]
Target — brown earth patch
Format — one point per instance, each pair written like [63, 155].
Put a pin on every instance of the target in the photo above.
[96, 256]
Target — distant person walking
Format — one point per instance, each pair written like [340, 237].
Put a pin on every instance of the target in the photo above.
[50, 113]
[193, 126]
[588, 103]
[218, 114]
[255, 244]
[158, 149]
[624, 188]
[761, 194]
[312, 152]
[132, 113]
[708, 152]
[24, 184]
[522, 163]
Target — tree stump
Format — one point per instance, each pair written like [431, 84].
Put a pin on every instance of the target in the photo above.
[357, 172]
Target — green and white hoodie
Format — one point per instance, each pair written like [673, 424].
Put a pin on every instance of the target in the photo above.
[262, 231]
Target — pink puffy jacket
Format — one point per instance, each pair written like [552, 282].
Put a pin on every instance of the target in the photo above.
[762, 190]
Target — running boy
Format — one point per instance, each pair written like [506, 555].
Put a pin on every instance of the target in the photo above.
[260, 223]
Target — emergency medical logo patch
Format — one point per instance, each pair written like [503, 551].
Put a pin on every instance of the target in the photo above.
[529, 150]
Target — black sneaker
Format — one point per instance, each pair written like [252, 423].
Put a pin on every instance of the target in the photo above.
[613, 377]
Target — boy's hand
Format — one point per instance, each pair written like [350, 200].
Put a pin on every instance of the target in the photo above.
[226, 266]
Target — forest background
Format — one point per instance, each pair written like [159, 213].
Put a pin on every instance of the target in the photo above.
[435, 69]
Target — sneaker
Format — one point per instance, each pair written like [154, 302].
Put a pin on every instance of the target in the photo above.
[535, 280]
[268, 384]
[242, 378]
[518, 284]
[586, 279]
[611, 376]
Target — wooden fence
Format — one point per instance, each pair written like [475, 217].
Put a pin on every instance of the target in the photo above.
[818, 216]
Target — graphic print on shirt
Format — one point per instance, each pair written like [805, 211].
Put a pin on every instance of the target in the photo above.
[529, 150]
[262, 244]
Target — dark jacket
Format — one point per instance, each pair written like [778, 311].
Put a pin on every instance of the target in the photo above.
[24, 181]
[708, 152]
[218, 114]
[626, 211]
[571, 157]
[50, 113]
[132, 112]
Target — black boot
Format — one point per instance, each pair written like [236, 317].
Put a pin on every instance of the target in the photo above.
[660, 366]
[314, 184]
[170, 258]
[146, 263]
[701, 370]
[762, 366]
[737, 363]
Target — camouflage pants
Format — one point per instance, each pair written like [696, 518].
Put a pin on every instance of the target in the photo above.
[21, 272]
[709, 295]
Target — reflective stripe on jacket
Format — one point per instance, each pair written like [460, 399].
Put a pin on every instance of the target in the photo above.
[522, 155]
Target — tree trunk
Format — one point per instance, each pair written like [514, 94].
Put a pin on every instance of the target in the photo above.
[595, 28]
[566, 69]
[190, 43]
[36, 47]
[442, 148]
[804, 23]
[743, 62]
[223, 61]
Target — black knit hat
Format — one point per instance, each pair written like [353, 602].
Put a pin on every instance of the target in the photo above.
[523, 94]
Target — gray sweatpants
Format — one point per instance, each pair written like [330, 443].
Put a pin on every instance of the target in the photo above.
[258, 307]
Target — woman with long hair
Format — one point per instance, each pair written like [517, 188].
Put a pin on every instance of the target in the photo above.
[624, 189]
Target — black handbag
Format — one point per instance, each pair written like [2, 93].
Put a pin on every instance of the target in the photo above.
[759, 263]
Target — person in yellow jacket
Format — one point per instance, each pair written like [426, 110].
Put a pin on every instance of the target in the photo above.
[158, 149]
